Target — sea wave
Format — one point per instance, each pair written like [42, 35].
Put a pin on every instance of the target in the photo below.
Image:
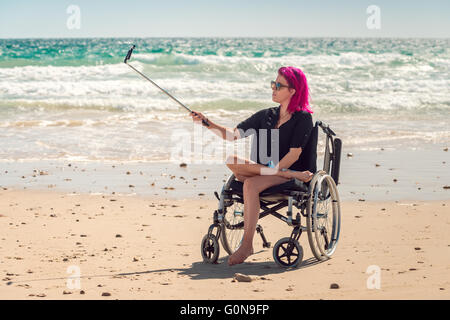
[76, 99]
[348, 82]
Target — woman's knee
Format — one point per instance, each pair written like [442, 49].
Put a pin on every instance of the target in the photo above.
[250, 185]
[240, 177]
[236, 160]
[231, 162]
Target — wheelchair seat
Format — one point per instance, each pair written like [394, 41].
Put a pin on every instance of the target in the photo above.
[283, 189]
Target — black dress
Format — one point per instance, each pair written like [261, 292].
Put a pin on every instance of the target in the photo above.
[294, 133]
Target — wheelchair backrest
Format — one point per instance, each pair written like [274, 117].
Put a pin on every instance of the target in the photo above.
[309, 153]
[332, 157]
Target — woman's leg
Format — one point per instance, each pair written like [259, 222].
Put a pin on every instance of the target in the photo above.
[241, 177]
[243, 168]
[252, 188]
[304, 176]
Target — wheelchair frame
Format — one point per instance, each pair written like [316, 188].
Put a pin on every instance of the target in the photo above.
[321, 188]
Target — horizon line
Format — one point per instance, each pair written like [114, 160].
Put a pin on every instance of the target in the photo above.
[226, 37]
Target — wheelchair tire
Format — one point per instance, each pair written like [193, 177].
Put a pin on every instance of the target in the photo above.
[210, 248]
[287, 253]
[233, 227]
[324, 216]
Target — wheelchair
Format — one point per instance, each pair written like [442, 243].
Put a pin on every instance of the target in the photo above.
[317, 202]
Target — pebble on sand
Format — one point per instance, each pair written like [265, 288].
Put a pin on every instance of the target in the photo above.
[106, 294]
[183, 165]
[242, 277]
[334, 286]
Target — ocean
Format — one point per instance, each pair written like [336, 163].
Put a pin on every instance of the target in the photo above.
[75, 99]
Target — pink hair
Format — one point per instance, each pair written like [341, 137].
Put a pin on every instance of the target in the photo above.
[297, 80]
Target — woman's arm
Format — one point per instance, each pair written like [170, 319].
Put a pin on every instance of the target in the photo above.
[281, 170]
[221, 131]
[289, 159]
[224, 132]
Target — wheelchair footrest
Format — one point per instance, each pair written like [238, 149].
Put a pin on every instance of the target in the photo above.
[259, 229]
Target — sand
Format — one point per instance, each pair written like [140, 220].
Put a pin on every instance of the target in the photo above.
[380, 175]
[139, 247]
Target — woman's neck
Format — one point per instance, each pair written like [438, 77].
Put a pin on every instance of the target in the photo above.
[283, 109]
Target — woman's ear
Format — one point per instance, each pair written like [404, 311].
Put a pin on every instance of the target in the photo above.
[292, 91]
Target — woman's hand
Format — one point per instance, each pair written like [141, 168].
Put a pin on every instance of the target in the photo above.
[197, 117]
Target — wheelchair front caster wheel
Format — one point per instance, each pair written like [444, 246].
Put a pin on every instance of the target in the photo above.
[210, 248]
[267, 245]
[287, 253]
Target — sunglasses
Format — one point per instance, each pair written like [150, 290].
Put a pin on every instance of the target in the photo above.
[277, 86]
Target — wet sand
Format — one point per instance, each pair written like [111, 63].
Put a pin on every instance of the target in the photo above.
[137, 247]
[380, 175]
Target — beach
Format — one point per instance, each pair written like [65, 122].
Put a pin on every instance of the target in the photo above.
[107, 186]
[134, 233]
[130, 247]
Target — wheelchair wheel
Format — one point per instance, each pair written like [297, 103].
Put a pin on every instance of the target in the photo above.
[233, 227]
[324, 216]
[210, 248]
[288, 253]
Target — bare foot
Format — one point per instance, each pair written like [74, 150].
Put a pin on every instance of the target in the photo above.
[304, 176]
[240, 255]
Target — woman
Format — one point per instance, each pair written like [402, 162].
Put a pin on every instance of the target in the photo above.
[293, 120]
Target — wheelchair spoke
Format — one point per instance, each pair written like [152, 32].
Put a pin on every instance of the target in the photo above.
[292, 252]
[324, 218]
[234, 227]
[320, 212]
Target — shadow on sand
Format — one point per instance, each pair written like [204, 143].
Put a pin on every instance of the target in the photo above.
[221, 270]
[201, 271]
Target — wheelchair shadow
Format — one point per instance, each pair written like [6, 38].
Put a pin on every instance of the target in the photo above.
[221, 270]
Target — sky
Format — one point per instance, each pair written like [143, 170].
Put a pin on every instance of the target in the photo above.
[224, 18]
